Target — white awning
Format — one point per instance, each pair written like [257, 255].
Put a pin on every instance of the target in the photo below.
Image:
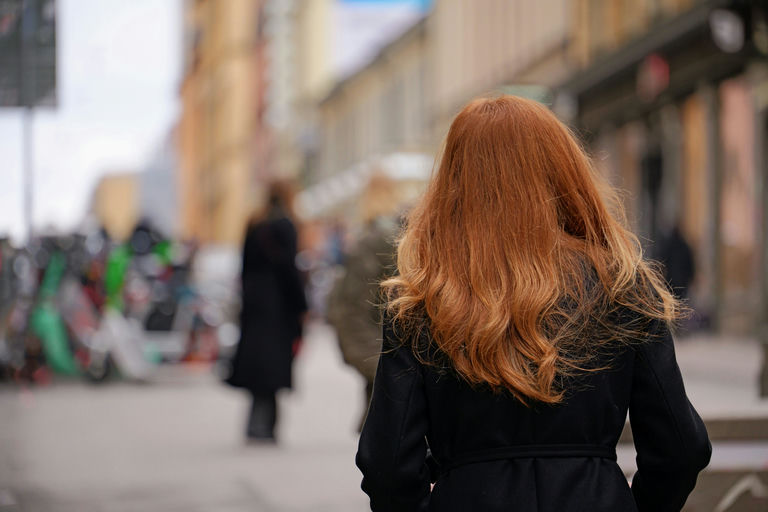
[345, 186]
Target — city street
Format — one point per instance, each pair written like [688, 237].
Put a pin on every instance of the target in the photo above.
[176, 443]
[179, 175]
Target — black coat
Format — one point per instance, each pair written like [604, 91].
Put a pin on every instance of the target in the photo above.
[492, 453]
[272, 303]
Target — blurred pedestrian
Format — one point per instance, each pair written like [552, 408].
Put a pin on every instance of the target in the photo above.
[677, 257]
[354, 305]
[335, 242]
[522, 326]
[273, 304]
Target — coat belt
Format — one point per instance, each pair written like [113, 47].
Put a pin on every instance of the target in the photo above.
[528, 451]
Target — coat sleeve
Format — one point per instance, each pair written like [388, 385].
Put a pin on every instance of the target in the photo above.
[670, 438]
[392, 450]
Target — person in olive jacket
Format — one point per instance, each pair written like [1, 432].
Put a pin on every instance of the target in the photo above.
[273, 303]
[354, 304]
[522, 326]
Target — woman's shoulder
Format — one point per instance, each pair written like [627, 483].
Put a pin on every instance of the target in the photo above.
[414, 335]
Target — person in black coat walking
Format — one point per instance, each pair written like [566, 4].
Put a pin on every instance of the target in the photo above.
[273, 303]
[522, 327]
[676, 255]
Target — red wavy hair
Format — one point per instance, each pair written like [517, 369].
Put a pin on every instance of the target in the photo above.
[517, 259]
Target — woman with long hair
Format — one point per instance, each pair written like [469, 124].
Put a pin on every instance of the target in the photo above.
[522, 325]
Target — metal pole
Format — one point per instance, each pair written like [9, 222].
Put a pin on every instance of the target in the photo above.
[29, 24]
[29, 169]
[27, 101]
[711, 98]
[758, 74]
[762, 116]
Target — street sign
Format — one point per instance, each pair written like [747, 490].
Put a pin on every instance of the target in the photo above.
[27, 53]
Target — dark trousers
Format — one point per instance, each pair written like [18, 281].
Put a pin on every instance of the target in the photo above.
[263, 416]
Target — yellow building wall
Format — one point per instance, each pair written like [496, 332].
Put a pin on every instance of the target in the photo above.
[218, 121]
[115, 203]
[313, 31]
[189, 180]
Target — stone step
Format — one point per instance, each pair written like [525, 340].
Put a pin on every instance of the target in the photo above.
[730, 491]
[727, 456]
[743, 428]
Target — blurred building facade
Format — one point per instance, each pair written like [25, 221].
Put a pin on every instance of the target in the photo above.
[299, 48]
[222, 96]
[402, 102]
[672, 96]
[378, 110]
[486, 47]
[375, 120]
[254, 71]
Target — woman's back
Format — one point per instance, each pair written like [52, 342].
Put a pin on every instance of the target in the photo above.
[522, 325]
[489, 451]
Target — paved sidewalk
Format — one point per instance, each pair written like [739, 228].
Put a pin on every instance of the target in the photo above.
[721, 375]
[176, 444]
[721, 378]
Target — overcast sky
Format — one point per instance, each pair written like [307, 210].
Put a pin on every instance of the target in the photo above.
[119, 65]
[367, 25]
[118, 80]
